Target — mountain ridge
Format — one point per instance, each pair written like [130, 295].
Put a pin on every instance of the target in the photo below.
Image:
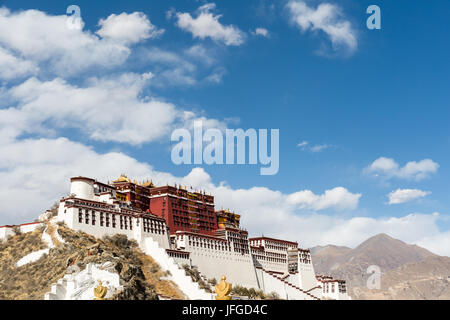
[408, 271]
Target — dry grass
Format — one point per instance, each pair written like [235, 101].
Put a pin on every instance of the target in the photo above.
[153, 274]
[30, 281]
[51, 231]
[140, 274]
[33, 280]
[195, 275]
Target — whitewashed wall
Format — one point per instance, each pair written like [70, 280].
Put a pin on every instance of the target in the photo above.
[80, 285]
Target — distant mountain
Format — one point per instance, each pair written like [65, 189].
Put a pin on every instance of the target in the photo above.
[428, 279]
[381, 250]
[326, 258]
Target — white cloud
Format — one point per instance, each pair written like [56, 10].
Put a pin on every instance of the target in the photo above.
[45, 39]
[128, 28]
[104, 109]
[201, 54]
[207, 25]
[304, 145]
[44, 46]
[327, 18]
[261, 32]
[171, 68]
[192, 66]
[32, 183]
[319, 148]
[406, 195]
[268, 212]
[12, 67]
[108, 107]
[389, 168]
[438, 242]
[338, 198]
[35, 172]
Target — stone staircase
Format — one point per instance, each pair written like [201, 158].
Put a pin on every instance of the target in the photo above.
[58, 290]
[291, 289]
[79, 285]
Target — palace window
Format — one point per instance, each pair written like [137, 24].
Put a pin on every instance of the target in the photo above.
[101, 219]
[87, 217]
[80, 216]
[93, 218]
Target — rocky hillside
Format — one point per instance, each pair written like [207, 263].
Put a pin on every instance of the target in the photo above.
[140, 276]
[428, 279]
[408, 271]
[328, 257]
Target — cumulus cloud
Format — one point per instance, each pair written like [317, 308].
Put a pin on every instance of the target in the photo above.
[44, 39]
[35, 172]
[338, 198]
[112, 106]
[261, 32]
[128, 28]
[406, 195]
[32, 183]
[268, 212]
[12, 67]
[207, 25]
[389, 168]
[327, 18]
[105, 109]
[43, 45]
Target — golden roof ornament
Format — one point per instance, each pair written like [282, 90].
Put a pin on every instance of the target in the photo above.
[123, 178]
[100, 291]
[223, 290]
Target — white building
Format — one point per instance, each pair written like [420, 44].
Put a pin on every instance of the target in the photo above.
[8, 230]
[269, 264]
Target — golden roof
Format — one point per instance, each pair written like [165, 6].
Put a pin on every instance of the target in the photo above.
[147, 183]
[122, 178]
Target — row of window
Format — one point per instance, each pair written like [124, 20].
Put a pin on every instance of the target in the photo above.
[178, 255]
[260, 257]
[222, 247]
[307, 261]
[106, 220]
[125, 222]
[281, 246]
[152, 226]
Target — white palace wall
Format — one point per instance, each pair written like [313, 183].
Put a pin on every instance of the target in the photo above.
[307, 277]
[262, 263]
[6, 231]
[215, 257]
[71, 216]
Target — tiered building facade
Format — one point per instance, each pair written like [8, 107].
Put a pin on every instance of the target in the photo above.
[174, 223]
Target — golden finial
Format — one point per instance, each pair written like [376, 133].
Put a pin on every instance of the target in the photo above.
[100, 291]
[223, 290]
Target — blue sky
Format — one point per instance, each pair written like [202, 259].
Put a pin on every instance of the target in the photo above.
[386, 97]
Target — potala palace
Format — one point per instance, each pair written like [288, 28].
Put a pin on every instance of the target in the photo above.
[179, 227]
